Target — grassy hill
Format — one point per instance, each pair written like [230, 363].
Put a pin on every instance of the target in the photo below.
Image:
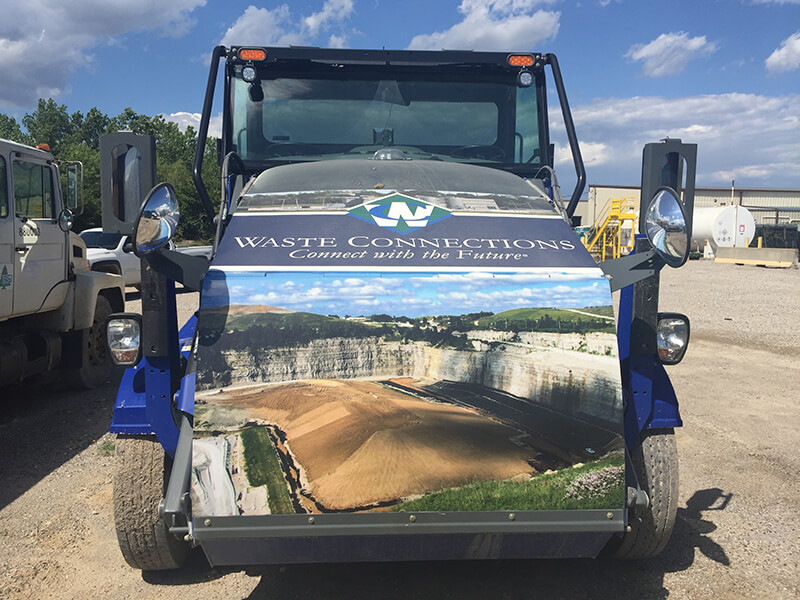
[241, 320]
[549, 319]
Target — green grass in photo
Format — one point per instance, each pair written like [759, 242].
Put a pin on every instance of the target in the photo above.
[262, 467]
[596, 485]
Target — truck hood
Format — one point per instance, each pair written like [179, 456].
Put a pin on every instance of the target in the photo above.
[393, 174]
[406, 335]
[348, 181]
[97, 254]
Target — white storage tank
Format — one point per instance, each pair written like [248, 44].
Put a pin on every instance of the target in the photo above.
[725, 226]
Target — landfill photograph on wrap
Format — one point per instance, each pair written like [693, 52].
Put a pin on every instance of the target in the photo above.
[401, 391]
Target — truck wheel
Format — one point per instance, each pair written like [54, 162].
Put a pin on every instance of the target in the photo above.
[140, 481]
[656, 465]
[96, 363]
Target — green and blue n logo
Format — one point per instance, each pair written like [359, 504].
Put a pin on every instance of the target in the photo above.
[400, 213]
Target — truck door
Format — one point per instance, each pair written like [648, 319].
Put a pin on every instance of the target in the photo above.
[130, 263]
[39, 244]
[6, 245]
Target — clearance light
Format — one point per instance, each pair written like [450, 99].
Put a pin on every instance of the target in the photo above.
[252, 54]
[520, 60]
[45, 147]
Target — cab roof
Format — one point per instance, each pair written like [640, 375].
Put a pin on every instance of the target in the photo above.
[9, 146]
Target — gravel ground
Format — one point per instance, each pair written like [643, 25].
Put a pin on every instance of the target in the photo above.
[737, 534]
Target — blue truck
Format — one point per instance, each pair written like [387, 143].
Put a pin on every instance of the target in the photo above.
[402, 350]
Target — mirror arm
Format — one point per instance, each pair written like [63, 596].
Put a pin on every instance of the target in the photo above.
[569, 125]
[630, 269]
[184, 268]
[197, 166]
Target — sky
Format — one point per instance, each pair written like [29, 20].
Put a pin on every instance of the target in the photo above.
[724, 74]
[409, 294]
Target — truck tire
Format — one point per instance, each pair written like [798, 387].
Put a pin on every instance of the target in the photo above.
[140, 481]
[96, 363]
[656, 465]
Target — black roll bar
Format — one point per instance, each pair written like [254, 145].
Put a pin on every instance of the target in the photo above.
[197, 165]
[580, 171]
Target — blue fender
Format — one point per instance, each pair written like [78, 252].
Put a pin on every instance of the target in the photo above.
[143, 405]
[648, 395]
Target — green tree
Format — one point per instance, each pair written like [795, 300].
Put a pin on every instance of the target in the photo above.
[76, 136]
[49, 124]
[10, 130]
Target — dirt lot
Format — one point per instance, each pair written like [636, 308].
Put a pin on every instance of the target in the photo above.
[360, 443]
[737, 534]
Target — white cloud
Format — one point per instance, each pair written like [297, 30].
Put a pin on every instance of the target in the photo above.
[751, 136]
[46, 41]
[746, 171]
[787, 57]
[332, 11]
[494, 25]
[669, 53]
[184, 119]
[262, 27]
[592, 153]
[277, 27]
[336, 41]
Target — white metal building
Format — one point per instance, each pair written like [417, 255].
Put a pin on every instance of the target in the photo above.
[768, 206]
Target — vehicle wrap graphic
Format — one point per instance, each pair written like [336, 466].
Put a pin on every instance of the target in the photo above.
[400, 213]
[471, 383]
[5, 278]
[462, 241]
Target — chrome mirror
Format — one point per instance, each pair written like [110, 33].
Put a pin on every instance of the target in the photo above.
[665, 225]
[158, 220]
[65, 220]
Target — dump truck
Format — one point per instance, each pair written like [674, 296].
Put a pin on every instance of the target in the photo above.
[402, 350]
[52, 307]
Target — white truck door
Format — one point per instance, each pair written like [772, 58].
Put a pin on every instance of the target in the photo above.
[131, 264]
[6, 245]
[40, 261]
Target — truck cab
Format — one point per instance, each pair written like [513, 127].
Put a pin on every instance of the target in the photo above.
[33, 242]
[403, 351]
[47, 297]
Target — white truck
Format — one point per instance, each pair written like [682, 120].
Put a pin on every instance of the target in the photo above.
[113, 253]
[52, 307]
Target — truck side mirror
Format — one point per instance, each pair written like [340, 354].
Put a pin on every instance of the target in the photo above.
[158, 220]
[669, 164]
[127, 171]
[65, 219]
[75, 187]
[666, 228]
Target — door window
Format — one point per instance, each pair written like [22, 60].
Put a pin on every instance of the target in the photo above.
[33, 190]
[3, 189]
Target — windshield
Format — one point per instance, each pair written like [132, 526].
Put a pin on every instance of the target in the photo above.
[470, 118]
[98, 239]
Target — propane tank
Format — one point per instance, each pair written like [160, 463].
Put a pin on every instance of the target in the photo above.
[726, 226]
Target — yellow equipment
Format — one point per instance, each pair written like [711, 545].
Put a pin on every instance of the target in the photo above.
[605, 237]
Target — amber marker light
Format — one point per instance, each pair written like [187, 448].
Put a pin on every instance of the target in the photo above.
[520, 60]
[252, 54]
